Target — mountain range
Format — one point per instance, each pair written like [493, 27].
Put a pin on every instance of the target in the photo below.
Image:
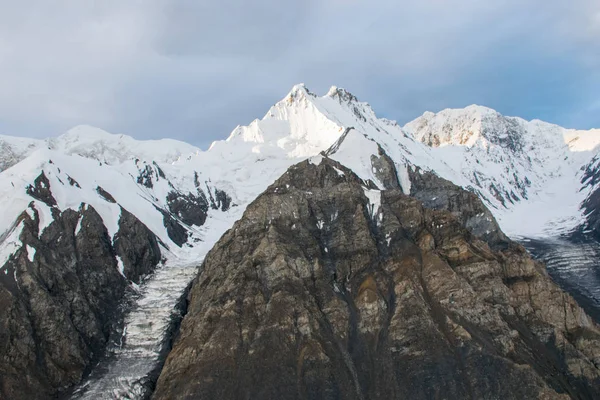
[89, 216]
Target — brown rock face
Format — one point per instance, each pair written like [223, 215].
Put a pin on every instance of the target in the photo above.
[317, 294]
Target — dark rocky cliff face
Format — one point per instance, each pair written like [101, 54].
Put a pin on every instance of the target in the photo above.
[316, 293]
[591, 205]
[440, 194]
[57, 305]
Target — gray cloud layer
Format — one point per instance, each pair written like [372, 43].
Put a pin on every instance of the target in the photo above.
[193, 70]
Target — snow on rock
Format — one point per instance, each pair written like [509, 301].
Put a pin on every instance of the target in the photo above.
[355, 153]
[528, 173]
[316, 160]
[374, 197]
[78, 226]
[14, 149]
[30, 253]
[10, 243]
[120, 266]
[90, 175]
[339, 171]
[403, 178]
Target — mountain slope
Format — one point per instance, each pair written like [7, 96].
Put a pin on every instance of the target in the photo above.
[329, 288]
[79, 234]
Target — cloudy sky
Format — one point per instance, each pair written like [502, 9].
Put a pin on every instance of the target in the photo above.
[193, 70]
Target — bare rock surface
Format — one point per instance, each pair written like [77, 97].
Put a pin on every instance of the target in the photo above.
[59, 296]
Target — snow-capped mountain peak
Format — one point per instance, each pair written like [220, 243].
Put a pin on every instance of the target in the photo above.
[299, 125]
[95, 143]
[472, 126]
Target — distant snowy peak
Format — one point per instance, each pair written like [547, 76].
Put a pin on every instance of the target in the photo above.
[481, 126]
[471, 126]
[15, 149]
[97, 144]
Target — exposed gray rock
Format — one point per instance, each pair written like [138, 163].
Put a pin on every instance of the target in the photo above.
[312, 296]
[385, 171]
[73, 182]
[105, 195]
[177, 233]
[40, 190]
[440, 194]
[57, 306]
[190, 209]
[591, 205]
[148, 173]
[137, 247]
[222, 200]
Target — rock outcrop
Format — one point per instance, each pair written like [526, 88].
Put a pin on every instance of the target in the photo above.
[440, 194]
[59, 296]
[327, 289]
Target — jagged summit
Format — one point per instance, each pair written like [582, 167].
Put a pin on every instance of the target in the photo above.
[341, 94]
[298, 90]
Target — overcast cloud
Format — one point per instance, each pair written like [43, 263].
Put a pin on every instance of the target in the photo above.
[193, 70]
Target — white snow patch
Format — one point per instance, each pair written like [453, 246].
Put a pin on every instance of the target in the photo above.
[339, 171]
[10, 244]
[120, 266]
[30, 213]
[78, 226]
[316, 160]
[30, 253]
[403, 178]
[45, 215]
[374, 197]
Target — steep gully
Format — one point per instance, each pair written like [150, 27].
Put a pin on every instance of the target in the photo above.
[128, 369]
[151, 316]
